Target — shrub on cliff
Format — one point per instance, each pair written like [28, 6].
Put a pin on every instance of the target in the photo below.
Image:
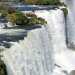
[5, 11]
[30, 15]
[41, 21]
[19, 18]
[48, 2]
[43, 2]
[30, 1]
[11, 10]
[4, 6]
[65, 11]
[33, 19]
[11, 18]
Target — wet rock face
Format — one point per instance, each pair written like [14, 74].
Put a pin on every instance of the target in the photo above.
[72, 72]
[2, 68]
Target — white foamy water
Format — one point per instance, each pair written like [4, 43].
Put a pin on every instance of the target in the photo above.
[55, 27]
[64, 58]
[43, 47]
[32, 56]
[70, 22]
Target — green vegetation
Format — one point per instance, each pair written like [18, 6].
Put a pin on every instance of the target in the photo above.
[20, 18]
[41, 21]
[17, 17]
[33, 19]
[48, 2]
[44, 2]
[13, 17]
[30, 1]
[40, 2]
[65, 10]
[5, 9]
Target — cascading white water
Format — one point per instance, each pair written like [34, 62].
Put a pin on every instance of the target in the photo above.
[64, 59]
[34, 54]
[70, 22]
[56, 27]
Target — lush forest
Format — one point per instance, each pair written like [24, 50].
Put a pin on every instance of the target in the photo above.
[37, 2]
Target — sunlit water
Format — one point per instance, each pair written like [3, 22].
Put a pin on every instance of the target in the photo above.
[35, 51]
[55, 27]
[34, 55]
[70, 22]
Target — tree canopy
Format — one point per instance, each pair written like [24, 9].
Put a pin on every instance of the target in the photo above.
[42, 2]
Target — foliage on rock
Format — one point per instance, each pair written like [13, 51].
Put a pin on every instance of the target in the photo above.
[11, 18]
[20, 18]
[33, 19]
[65, 11]
[41, 21]
[30, 1]
[43, 2]
[30, 15]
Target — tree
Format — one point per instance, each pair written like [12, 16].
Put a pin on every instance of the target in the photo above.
[30, 1]
[43, 2]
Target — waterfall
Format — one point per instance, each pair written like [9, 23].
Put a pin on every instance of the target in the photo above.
[70, 22]
[34, 55]
[55, 27]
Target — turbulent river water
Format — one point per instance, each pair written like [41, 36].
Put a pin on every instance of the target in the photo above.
[31, 51]
[70, 22]
[37, 50]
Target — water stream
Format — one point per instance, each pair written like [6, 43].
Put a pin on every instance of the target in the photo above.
[34, 55]
[70, 23]
[41, 50]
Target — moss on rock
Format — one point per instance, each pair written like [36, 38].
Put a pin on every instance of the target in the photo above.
[43, 2]
[65, 10]
[41, 21]
[19, 18]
